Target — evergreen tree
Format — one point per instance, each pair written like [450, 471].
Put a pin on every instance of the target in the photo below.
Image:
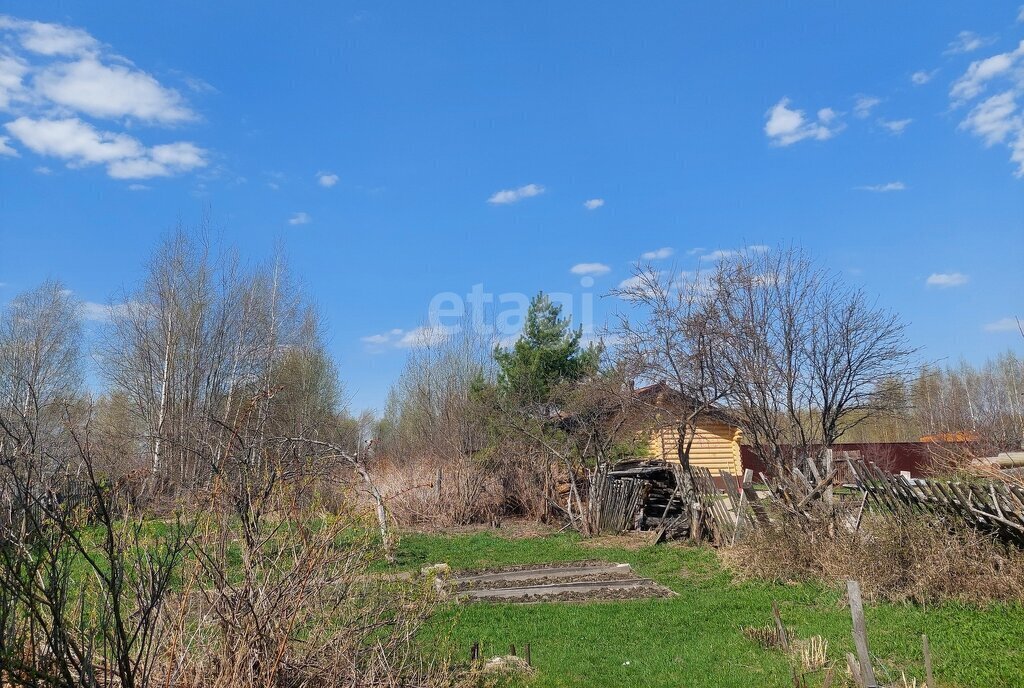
[547, 353]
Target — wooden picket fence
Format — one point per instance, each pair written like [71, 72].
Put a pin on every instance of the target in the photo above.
[994, 507]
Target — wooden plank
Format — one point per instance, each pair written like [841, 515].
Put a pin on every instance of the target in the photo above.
[851, 662]
[860, 634]
[780, 629]
[926, 648]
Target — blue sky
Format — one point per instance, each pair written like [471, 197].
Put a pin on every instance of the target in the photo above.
[402, 150]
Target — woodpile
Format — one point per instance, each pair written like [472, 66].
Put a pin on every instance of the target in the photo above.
[640, 495]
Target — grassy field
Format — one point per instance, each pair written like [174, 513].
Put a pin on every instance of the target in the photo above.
[695, 639]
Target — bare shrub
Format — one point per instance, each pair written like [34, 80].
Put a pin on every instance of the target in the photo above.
[293, 603]
[900, 560]
[82, 584]
[469, 492]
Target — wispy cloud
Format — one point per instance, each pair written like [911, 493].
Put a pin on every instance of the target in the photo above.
[101, 312]
[967, 42]
[981, 72]
[326, 179]
[51, 75]
[896, 126]
[722, 254]
[397, 338]
[300, 218]
[593, 269]
[138, 187]
[593, 203]
[785, 126]
[863, 106]
[5, 149]
[657, 254]
[506, 196]
[1003, 325]
[996, 119]
[883, 188]
[922, 76]
[947, 279]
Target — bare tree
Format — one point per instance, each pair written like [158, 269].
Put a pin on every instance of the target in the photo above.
[810, 357]
[40, 371]
[672, 336]
[197, 342]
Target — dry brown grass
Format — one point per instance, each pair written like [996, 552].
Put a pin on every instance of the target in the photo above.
[911, 560]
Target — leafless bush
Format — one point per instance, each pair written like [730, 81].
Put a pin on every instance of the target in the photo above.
[290, 601]
[82, 585]
[468, 492]
[911, 559]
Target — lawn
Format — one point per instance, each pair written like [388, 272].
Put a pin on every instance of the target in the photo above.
[695, 639]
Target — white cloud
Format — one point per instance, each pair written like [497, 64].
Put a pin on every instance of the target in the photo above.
[50, 39]
[1020, 14]
[73, 139]
[595, 269]
[5, 149]
[980, 72]
[12, 70]
[81, 144]
[397, 338]
[43, 170]
[947, 279]
[111, 91]
[632, 282]
[300, 218]
[138, 187]
[1003, 325]
[657, 254]
[51, 75]
[326, 179]
[100, 312]
[922, 77]
[966, 42]
[997, 119]
[994, 119]
[863, 106]
[785, 126]
[883, 188]
[506, 196]
[895, 126]
[722, 254]
[427, 335]
[593, 203]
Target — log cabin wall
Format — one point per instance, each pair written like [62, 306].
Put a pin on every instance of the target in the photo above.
[715, 447]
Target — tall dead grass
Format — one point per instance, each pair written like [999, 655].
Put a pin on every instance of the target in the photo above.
[468, 492]
[910, 560]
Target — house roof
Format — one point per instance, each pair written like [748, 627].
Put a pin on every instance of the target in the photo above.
[661, 394]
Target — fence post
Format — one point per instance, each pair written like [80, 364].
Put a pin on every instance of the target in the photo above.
[929, 679]
[860, 634]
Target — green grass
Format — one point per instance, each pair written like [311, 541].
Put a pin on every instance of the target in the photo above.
[695, 638]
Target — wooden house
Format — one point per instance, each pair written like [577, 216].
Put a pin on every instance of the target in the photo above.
[716, 444]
